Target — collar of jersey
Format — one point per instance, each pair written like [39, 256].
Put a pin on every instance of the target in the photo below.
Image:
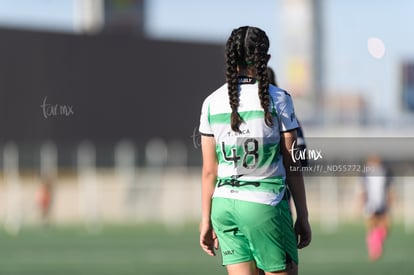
[246, 80]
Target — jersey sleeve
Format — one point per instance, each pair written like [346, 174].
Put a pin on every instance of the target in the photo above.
[286, 114]
[205, 128]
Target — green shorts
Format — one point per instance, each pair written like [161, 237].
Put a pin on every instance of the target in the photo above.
[252, 231]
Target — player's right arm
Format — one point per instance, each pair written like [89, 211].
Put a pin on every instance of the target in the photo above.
[208, 238]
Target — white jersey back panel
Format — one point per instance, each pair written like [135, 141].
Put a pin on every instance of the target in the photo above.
[254, 154]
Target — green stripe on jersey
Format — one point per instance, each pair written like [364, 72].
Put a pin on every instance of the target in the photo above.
[224, 118]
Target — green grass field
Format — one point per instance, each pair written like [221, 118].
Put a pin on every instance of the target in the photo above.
[154, 250]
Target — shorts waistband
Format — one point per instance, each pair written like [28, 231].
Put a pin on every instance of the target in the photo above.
[236, 183]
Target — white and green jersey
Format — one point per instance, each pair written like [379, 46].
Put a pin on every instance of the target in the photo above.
[250, 159]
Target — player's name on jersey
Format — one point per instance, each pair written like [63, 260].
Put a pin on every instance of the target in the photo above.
[242, 132]
[56, 110]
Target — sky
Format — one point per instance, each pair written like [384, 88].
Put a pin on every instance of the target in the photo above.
[37, 14]
[208, 20]
[348, 26]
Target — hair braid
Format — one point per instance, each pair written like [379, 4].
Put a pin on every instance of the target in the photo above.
[233, 54]
[261, 70]
[247, 46]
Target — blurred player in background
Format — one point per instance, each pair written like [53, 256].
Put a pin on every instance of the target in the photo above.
[248, 128]
[376, 198]
[44, 199]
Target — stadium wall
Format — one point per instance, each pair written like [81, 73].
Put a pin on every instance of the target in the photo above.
[102, 88]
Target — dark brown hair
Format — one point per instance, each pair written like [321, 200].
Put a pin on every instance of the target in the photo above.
[247, 47]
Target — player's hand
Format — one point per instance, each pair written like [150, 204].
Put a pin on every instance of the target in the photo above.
[303, 233]
[208, 239]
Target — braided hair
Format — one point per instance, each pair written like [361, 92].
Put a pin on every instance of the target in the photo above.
[247, 47]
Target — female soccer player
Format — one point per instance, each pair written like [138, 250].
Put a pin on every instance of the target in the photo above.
[248, 130]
